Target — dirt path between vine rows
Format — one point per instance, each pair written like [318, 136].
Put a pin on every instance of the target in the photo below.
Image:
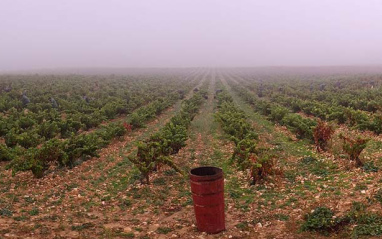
[164, 209]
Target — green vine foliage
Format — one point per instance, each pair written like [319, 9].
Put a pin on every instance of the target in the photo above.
[302, 127]
[5, 153]
[155, 151]
[51, 128]
[246, 156]
[353, 147]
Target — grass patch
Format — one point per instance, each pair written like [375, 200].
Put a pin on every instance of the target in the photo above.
[370, 167]
[378, 196]
[6, 212]
[159, 182]
[82, 226]
[360, 186]
[34, 211]
[358, 220]
[164, 230]
[243, 226]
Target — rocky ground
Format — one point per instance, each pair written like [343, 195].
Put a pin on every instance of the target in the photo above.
[103, 197]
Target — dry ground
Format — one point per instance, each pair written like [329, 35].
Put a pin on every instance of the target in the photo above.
[103, 198]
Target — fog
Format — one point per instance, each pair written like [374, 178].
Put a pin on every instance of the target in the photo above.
[36, 34]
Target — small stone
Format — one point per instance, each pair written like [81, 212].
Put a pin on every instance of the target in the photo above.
[154, 227]
[72, 234]
[363, 191]
[127, 230]
[9, 235]
[259, 224]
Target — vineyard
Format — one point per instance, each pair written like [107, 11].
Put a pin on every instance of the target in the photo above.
[108, 156]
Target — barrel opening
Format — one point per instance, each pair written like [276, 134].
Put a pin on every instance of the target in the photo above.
[205, 171]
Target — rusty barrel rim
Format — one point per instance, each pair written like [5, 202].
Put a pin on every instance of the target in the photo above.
[207, 173]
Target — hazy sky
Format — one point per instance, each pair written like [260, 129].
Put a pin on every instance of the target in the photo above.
[182, 33]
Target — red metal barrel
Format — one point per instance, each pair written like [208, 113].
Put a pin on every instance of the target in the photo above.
[207, 187]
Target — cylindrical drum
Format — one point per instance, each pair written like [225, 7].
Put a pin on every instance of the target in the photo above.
[207, 187]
